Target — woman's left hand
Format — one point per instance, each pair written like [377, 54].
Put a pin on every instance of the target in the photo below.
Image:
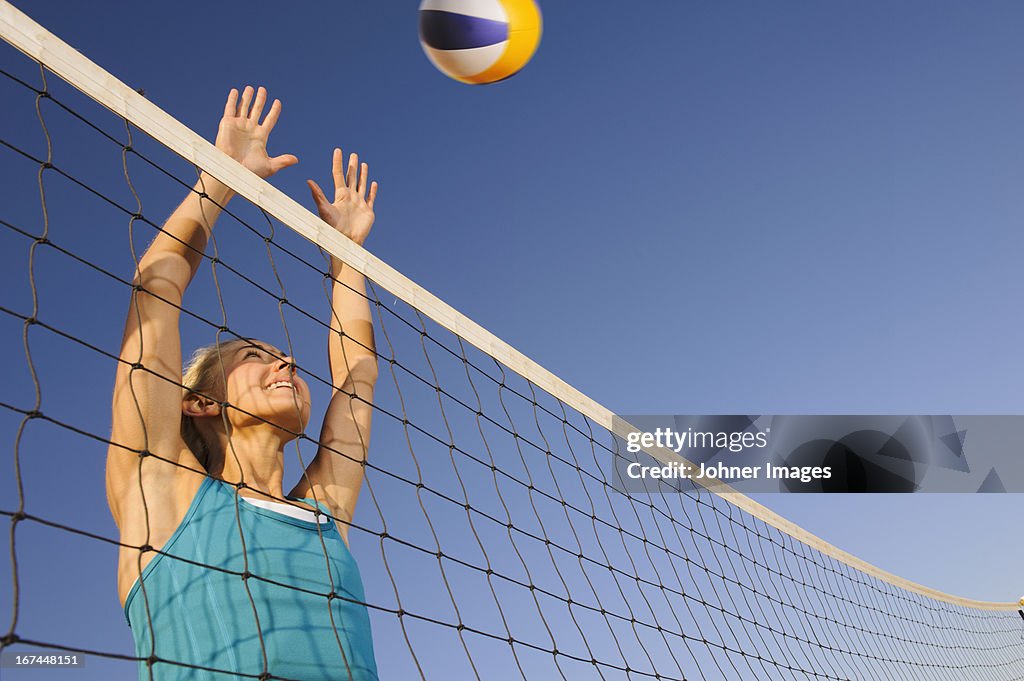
[351, 212]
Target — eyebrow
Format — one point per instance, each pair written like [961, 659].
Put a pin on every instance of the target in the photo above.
[274, 352]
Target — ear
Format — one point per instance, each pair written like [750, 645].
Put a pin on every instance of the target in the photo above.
[197, 405]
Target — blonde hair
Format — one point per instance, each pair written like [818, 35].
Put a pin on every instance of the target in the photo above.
[203, 375]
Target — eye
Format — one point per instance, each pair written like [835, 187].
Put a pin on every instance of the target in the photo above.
[252, 352]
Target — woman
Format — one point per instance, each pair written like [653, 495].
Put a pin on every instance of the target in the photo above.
[248, 585]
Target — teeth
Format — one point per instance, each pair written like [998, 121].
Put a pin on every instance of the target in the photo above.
[279, 384]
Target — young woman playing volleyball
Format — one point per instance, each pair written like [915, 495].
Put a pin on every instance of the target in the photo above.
[249, 585]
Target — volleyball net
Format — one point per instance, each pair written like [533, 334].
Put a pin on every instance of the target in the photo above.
[492, 539]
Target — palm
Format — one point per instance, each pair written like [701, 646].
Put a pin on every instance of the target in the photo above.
[243, 137]
[351, 212]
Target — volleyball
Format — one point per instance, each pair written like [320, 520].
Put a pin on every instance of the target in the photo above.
[479, 41]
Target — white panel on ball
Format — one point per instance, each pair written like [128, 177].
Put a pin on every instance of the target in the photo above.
[465, 62]
[484, 9]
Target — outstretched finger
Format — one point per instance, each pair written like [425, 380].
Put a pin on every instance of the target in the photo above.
[271, 120]
[243, 111]
[231, 107]
[338, 170]
[353, 167]
[363, 171]
[373, 195]
[257, 106]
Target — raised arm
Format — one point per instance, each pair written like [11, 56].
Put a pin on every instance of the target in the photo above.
[335, 475]
[147, 399]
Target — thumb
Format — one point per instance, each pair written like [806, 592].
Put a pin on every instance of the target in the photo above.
[318, 194]
[279, 162]
[324, 207]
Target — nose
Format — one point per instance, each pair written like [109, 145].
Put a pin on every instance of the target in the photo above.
[288, 362]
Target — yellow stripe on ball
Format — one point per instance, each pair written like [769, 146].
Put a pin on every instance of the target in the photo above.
[523, 38]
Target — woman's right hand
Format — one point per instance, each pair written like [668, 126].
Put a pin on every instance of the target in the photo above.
[243, 137]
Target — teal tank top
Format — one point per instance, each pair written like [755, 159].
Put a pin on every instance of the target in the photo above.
[204, 617]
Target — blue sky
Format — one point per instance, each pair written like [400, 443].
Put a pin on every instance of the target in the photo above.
[723, 207]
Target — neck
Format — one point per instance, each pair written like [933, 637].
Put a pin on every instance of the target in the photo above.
[255, 456]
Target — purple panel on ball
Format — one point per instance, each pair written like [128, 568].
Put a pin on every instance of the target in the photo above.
[451, 31]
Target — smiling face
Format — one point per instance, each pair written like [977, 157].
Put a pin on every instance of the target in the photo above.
[262, 386]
